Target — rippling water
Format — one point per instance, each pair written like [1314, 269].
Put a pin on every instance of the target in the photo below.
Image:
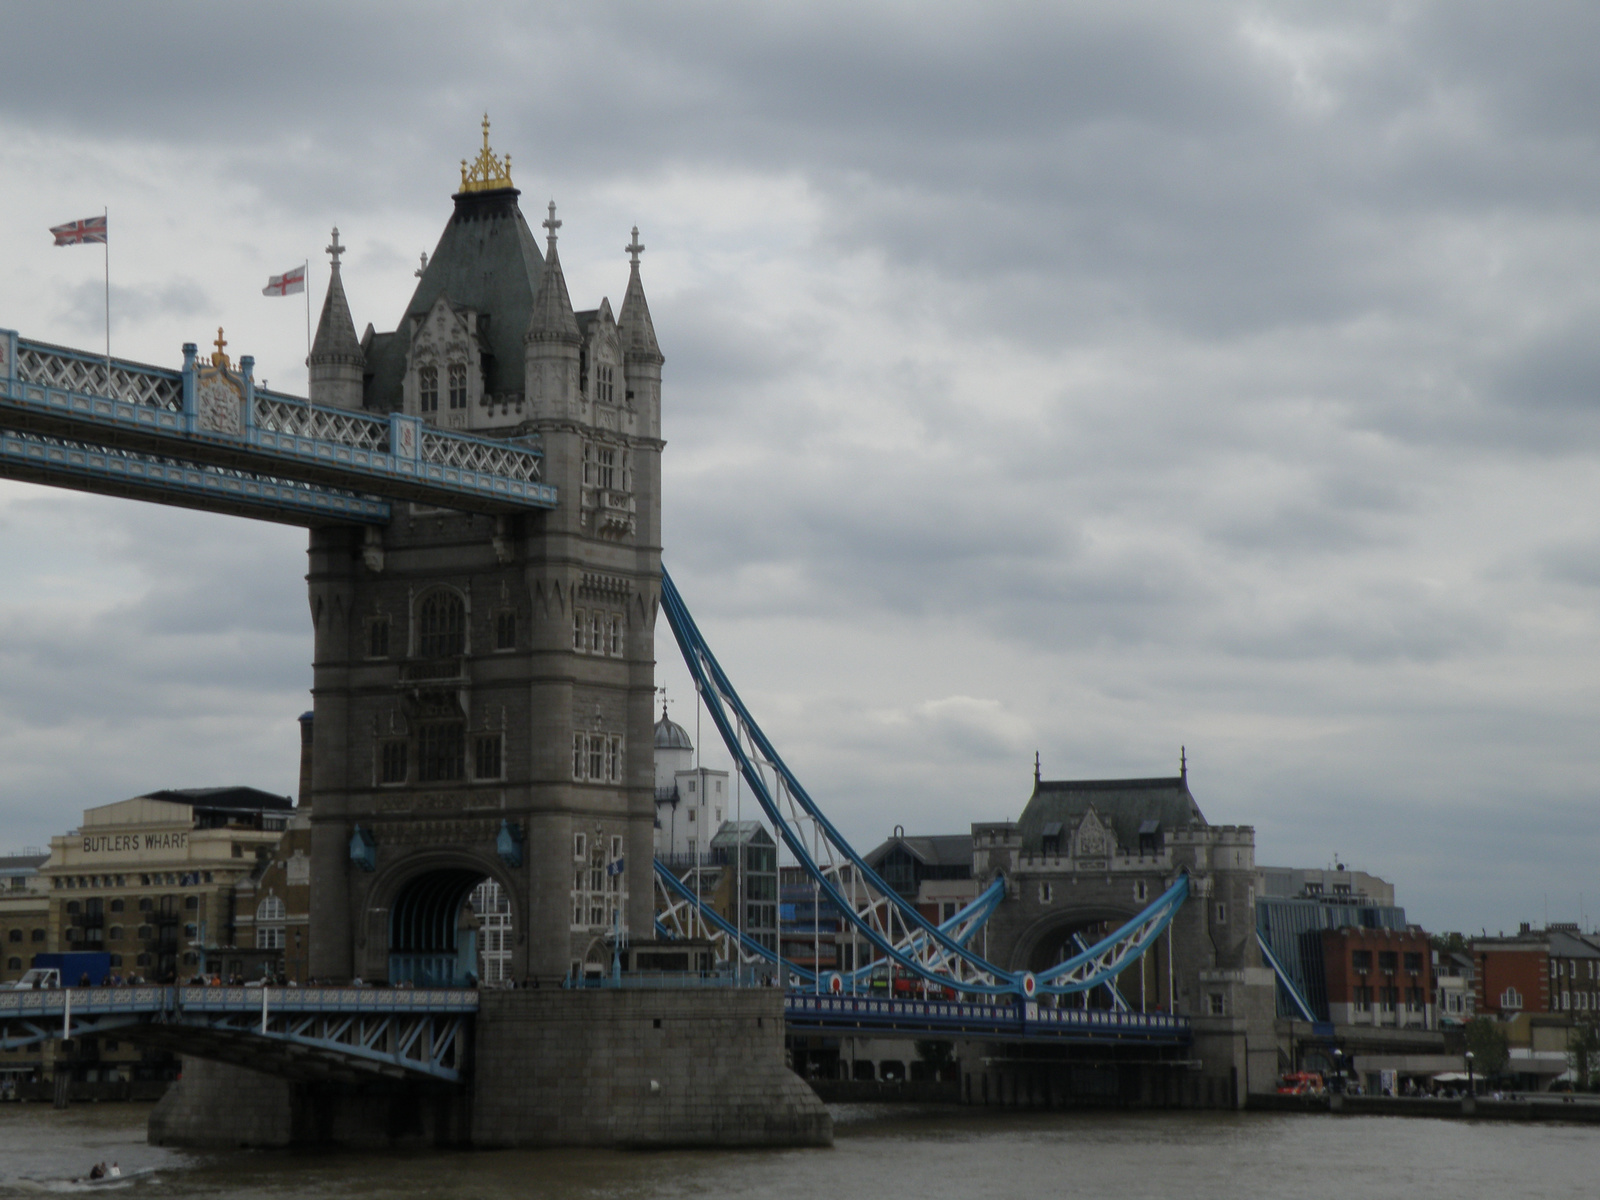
[881, 1151]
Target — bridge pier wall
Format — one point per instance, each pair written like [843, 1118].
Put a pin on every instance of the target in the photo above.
[221, 1105]
[551, 1067]
[639, 1068]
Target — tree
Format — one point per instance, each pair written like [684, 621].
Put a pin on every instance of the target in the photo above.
[1448, 943]
[1488, 1044]
[1583, 1049]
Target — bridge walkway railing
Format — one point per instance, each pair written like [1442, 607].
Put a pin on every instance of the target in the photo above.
[1028, 1021]
[80, 414]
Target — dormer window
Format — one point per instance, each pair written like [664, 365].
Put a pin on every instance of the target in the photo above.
[458, 385]
[603, 390]
[428, 389]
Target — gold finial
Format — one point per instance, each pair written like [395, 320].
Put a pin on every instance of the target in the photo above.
[219, 359]
[489, 171]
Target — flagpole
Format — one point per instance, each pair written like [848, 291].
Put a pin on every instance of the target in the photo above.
[106, 216]
[305, 280]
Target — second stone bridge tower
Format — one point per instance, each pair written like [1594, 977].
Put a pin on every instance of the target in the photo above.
[483, 684]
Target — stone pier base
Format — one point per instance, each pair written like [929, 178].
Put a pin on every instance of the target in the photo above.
[550, 1068]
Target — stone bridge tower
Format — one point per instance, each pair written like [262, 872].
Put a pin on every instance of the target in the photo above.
[1087, 855]
[483, 684]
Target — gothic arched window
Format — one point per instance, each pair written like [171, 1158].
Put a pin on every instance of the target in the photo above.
[428, 389]
[458, 385]
[441, 625]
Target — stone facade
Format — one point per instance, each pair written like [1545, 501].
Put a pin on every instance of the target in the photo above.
[553, 1067]
[483, 685]
[1088, 855]
[639, 1068]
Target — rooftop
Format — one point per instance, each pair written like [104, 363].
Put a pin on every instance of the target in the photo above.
[243, 799]
[1129, 806]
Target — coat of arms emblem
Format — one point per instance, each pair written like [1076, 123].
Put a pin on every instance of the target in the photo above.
[219, 395]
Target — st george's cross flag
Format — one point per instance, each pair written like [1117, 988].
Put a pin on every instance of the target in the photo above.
[287, 284]
[76, 233]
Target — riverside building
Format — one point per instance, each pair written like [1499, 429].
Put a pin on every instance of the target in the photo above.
[151, 880]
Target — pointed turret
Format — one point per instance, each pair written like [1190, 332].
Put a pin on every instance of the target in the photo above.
[638, 333]
[337, 363]
[552, 319]
[641, 356]
[552, 339]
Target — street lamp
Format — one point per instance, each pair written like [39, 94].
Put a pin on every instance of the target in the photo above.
[1338, 1070]
[1472, 1088]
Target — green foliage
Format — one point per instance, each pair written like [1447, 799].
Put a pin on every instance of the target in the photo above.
[1583, 1050]
[1489, 1044]
[1448, 943]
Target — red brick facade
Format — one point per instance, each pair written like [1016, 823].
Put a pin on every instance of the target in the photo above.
[1379, 977]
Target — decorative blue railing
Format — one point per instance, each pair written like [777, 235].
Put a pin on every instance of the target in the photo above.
[869, 1016]
[146, 427]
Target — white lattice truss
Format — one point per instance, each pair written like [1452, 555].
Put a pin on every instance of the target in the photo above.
[281, 415]
[487, 458]
[48, 366]
[59, 368]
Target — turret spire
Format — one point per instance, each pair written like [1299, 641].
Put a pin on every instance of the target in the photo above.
[633, 322]
[337, 362]
[553, 318]
[551, 224]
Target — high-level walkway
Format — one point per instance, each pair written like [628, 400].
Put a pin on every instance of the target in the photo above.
[130, 429]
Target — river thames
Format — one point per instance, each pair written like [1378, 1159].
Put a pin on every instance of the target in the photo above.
[880, 1151]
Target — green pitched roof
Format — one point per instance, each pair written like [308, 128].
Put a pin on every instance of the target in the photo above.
[486, 260]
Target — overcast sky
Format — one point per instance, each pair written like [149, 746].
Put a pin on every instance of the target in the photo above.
[1090, 378]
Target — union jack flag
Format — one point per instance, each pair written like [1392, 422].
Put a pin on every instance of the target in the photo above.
[74, 233]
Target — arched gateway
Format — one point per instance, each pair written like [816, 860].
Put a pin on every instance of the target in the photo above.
[483, 684]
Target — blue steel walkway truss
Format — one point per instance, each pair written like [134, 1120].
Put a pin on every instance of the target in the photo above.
[321, 1033]
[208, 438]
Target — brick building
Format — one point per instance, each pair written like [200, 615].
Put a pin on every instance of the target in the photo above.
[1550, 970]
[1379, 977]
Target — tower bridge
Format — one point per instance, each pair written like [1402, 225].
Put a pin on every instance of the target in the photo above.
[482, 490]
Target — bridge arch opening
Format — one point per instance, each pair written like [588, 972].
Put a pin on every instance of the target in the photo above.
[450, 927]
[1142, 984]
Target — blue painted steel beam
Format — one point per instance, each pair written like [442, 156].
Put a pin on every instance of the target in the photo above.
[415, 1031]
[57, 462]
[844, 1016]
[1104, 960]
[1284, 981]
[58, 392]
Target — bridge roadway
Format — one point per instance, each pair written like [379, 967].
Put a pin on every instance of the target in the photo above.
[863, 1016]
[344, 1033]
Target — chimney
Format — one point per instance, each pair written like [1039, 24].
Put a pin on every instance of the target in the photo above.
[304, 799]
